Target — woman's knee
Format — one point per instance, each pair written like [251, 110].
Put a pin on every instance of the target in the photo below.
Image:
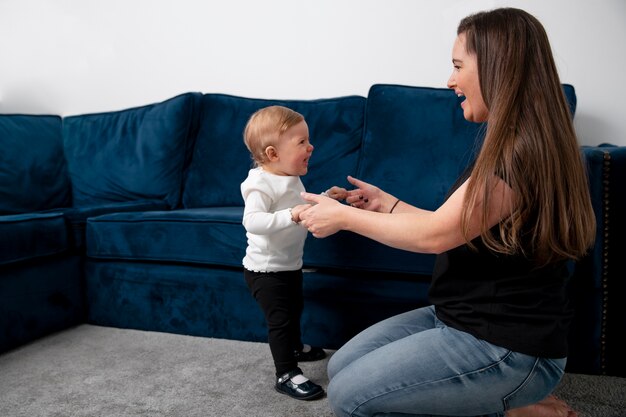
[539, 383]
[332, 368]
[338, 396]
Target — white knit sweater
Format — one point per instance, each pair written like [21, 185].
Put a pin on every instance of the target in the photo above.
[275, 242]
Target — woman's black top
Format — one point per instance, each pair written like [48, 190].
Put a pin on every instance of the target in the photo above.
[503, 299]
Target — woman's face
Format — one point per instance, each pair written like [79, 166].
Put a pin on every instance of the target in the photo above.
[464, 80]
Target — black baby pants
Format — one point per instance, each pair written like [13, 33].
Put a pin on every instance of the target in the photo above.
[279, 294]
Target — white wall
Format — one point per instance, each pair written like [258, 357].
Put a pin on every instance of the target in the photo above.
[80, 56]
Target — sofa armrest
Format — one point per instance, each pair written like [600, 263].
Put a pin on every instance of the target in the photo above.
[598, 280]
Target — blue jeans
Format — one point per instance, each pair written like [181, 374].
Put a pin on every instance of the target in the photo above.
[414, 365]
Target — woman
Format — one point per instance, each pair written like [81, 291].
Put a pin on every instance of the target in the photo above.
[494, 342]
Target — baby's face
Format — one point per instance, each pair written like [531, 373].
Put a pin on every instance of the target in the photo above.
[294, 151]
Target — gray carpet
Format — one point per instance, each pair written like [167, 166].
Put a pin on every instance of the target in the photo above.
[99, 371]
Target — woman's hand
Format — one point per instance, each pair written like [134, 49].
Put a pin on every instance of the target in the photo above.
[323, 217]
[366, 196]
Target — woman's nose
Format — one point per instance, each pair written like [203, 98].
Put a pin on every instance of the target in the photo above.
[451, 82]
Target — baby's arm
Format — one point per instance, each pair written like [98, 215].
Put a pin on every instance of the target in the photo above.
[259, 219]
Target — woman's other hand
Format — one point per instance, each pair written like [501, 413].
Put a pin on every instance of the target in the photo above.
[366, 196]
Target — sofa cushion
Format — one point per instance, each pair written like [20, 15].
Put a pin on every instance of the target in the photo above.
[30, 236]
[416, 143]
[221, 160]
[134, 154]
[213, 236]
[76, 217]
[33, 171]
[190, 236]
[414, 131]
[570, 96]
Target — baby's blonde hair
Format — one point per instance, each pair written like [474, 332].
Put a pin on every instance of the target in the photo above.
[265, 127]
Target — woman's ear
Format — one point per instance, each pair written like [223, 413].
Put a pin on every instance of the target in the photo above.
[271, 153]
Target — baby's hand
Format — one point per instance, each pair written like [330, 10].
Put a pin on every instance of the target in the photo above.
[337, 193]
[297, 210]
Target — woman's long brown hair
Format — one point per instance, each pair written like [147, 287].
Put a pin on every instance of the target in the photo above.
[529, 142]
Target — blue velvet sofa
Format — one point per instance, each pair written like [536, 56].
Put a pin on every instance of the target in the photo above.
[133, 219]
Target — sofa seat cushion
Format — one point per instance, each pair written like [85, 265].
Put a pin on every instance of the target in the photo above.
[33, 171]
[76, 217]
[215, 236]
[221, 160]
[30, 236]
[208, 236]
[132, 154]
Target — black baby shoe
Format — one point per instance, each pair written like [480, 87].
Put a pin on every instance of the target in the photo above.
[314, 354]
[297, 386]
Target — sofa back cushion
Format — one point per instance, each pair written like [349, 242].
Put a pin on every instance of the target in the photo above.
[416, 143]
[33, 170]
[132, 154]
[221, 160]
